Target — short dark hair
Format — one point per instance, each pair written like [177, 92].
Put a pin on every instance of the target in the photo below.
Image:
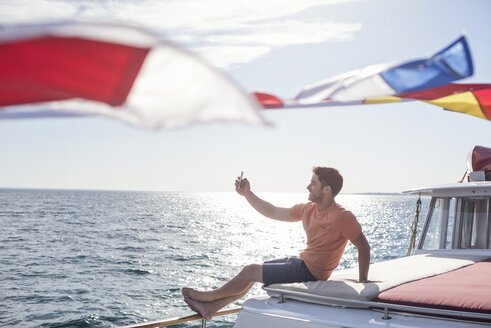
[329, 176]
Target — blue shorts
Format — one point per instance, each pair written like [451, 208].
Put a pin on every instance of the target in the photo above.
[286, 270]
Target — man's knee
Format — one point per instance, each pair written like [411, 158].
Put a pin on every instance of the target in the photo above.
[252, 272]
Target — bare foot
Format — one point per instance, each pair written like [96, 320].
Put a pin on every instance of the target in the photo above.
[200, 307]
[185, 291]
[196, 294]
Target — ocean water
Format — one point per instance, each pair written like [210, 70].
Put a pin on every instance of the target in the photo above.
[108, 258]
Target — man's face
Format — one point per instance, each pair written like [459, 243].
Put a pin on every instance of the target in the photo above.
[315, 189]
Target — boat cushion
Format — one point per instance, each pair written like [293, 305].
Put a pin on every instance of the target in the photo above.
[468, 289]
[383, 276]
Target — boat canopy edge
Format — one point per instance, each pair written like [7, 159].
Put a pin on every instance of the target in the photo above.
[470, 189]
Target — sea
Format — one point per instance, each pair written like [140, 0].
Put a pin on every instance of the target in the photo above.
[73, 258]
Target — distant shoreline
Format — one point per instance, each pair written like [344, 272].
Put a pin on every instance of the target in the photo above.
[184, 191]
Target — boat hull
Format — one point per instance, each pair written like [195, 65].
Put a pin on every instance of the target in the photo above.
[268, 312]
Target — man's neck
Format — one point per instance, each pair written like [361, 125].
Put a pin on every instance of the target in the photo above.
[325, 203]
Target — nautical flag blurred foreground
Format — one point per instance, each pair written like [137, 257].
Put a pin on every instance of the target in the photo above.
[78, 69]
[426, 80]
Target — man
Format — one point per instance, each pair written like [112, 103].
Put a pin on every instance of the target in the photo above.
[328, 227]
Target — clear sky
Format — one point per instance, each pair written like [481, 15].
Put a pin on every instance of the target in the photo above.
[275, 47]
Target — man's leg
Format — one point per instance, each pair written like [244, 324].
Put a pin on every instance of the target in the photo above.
[238, 285]
[209, 309]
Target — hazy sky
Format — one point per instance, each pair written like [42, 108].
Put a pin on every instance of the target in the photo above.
[275, 47]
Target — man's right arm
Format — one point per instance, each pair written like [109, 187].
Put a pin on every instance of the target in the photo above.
[262, 206]
[268, 209]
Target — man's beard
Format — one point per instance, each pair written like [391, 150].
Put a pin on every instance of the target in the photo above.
[314, 197]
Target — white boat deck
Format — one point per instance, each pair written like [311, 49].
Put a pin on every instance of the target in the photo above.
[267, 312]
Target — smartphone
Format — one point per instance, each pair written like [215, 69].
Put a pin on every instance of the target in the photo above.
[241, 176]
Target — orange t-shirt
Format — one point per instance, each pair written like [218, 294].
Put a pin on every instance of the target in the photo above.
[328, 232]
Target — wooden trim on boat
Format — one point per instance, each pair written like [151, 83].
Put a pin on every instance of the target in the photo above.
[175, 321]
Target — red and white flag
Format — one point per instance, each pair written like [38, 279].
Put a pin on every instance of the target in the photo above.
[117, 71]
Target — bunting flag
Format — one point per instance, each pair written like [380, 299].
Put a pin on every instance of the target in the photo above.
[427, 80]
[471, 99]
[80, 69]
[122, 72]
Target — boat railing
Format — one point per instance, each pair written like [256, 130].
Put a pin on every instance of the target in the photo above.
[175, 321]
[283, 295]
